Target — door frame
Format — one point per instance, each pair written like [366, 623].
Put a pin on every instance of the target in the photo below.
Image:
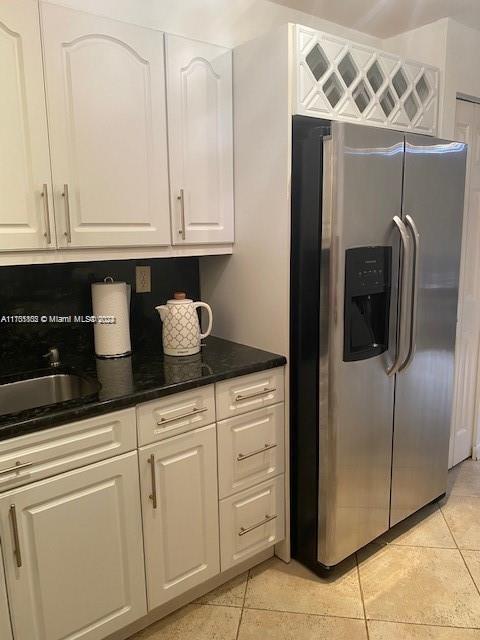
[475, 445]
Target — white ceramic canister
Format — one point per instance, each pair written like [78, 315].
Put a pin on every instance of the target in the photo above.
[181, 329]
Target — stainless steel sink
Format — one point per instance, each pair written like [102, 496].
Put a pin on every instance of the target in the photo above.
[44, 389]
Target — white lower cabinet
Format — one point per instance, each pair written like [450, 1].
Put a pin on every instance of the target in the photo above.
[72, 548]
[251, 521]
[178, 479]
[5, 627]
[250, 449]
[74, 561]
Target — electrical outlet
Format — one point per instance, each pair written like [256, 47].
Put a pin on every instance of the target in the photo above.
[143, 278]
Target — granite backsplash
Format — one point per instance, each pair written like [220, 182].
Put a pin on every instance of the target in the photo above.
[64, 289]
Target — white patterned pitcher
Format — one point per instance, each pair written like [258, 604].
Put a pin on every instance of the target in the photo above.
[181, 329]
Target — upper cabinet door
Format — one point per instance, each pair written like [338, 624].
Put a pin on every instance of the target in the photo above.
[26, 208]
[106, 107]
[199, 99]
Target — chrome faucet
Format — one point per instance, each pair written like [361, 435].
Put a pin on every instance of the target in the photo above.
[53, 356]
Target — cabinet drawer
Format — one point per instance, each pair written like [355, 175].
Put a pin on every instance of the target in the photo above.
[250, 449]
[246, 393]
[251, 521]
[47, 453]
[175, 414]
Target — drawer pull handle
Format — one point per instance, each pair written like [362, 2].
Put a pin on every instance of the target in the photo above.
[243, 530]
[247, 396]
[68, 228]
[16, 539]
[48, 232]
[153, 495]
[17, 467]
[181, 198]
[244, 456]
[196, 410]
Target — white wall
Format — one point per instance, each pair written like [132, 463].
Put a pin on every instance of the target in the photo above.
[224, 22]
[462, 71]
[455, 49]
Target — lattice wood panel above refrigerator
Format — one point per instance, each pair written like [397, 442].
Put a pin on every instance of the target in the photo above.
[341, 80]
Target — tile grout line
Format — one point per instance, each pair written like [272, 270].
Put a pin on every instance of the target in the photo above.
[458, 548]
[214, 604]
[340, 617]
[243, 605]
[306, 613]
[423, 624]
[361, 596]
[469, 572]
[239, 624]
[414, 546]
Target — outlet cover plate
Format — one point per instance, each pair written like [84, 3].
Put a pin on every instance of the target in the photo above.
[143, 278]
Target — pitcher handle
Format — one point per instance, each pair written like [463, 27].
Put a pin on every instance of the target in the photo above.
[210, 318]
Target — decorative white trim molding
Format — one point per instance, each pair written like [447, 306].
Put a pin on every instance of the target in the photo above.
[341, 80]
[111, 253]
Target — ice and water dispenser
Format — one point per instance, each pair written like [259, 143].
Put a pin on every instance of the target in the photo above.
[367, 302]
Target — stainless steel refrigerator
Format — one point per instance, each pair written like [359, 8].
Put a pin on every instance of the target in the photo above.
[375, 255]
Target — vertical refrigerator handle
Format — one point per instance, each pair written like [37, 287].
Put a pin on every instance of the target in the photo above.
[394, 367]
[413, 311]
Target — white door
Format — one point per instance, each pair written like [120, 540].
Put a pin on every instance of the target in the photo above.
[26, 207]
[107, 115]
[199, 99]
[178, 479]
[73, 553]
[5, 628]
[467, 130]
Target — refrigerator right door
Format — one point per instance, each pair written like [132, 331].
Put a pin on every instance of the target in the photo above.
[433, 191]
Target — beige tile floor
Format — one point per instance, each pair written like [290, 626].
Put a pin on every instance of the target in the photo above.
[420, 581]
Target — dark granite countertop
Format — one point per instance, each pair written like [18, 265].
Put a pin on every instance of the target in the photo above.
[144, 376]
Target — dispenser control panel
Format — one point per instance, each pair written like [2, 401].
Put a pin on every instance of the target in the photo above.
[367, 267]
[367, 302]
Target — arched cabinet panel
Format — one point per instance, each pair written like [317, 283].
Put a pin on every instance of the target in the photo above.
[106, 101]
[199, 100]
[26, 213]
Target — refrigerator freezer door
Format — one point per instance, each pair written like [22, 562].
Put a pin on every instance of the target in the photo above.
[356, 397]
[433, 196]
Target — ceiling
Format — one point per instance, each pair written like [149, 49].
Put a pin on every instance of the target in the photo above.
[385, 18]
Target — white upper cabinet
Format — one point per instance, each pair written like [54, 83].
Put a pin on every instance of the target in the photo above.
[73, 553]
[26, 211]
[106, 108]
[199, 99]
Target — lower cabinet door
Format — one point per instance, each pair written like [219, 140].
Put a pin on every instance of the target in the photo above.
[73, 554]
[178, 479]
[5, 627]
[252, 521]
